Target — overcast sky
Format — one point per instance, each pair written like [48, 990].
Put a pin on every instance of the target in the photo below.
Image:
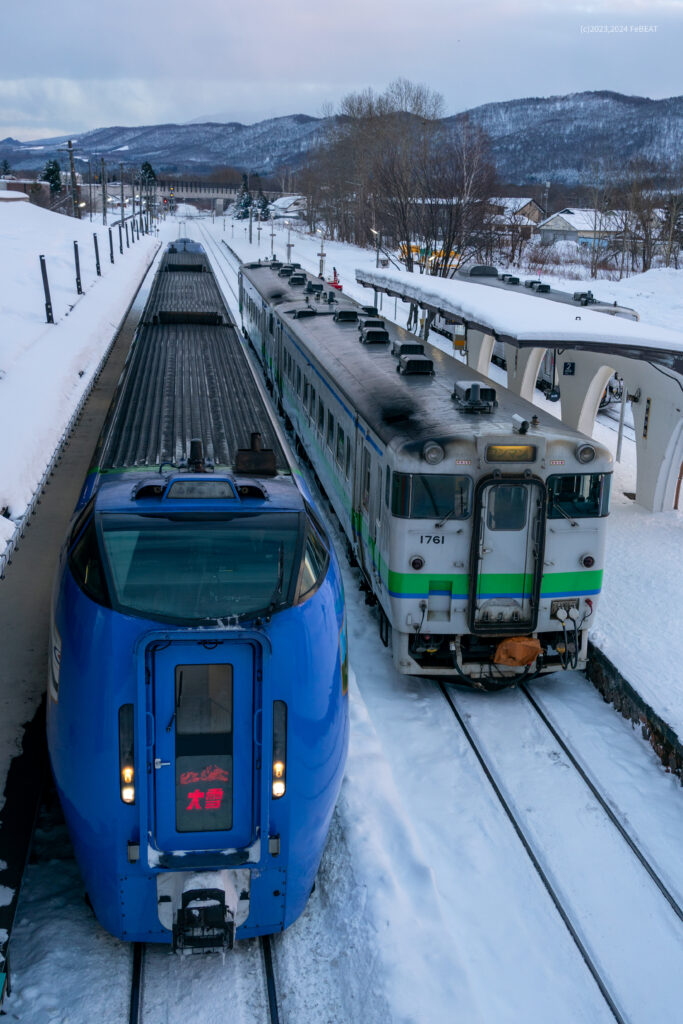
[69, 66]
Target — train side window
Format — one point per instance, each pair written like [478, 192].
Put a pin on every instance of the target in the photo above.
[387, 487]
[379, 493]
[298, 380]
[400, 495]
[578, 495]
[312, 401]
[348, 458]
[365, 498]
[330, 430]
[305, 396]
[321, 417]
[86, 565]
[340, 445]
[270, 324]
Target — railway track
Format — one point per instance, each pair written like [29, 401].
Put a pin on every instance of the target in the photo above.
[268, 1004]
[523, 812]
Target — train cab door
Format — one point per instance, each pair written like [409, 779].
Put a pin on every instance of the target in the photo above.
[202, 764]
[507, 556]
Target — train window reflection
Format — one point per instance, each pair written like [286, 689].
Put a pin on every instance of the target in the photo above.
[184, 568]
[578, 495]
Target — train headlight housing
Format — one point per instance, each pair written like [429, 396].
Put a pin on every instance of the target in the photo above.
[585, 453]
[279, 780]
[127, 753]
[587, 561]
[433, 453]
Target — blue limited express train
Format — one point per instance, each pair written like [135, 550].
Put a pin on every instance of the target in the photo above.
[197, 711]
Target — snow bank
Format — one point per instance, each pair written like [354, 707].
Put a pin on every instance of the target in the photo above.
[45, 369]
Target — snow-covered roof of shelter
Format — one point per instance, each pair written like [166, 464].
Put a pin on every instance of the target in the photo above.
[585, 220]
[284, 202]
[7, 195]
[528, 321]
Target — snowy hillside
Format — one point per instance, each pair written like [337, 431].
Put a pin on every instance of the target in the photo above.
[560, 137]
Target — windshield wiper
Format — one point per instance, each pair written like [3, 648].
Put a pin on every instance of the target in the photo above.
[277, 593]
[177, 703]
[445, 518]
[562, 512]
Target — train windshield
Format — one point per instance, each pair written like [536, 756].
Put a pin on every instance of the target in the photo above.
[431, 496]
[184, 567]
[578, 495]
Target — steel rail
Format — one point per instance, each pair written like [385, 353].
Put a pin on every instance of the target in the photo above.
[547, 884]
[135, 1006]
[666, 893]
[270, 979]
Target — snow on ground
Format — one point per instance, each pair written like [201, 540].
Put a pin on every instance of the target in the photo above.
[643, 581]
[45, 368]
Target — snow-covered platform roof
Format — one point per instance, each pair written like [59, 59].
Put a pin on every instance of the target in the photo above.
[525, 322]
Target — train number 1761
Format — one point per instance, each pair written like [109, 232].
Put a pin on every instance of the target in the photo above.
[431, 538]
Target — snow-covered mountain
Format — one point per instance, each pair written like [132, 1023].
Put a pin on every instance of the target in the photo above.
[558, 138]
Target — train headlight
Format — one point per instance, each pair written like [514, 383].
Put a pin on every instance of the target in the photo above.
[279, 781]
[127, 752]
[432, 453]
[585, 453]
[417, 562]
[587, 561]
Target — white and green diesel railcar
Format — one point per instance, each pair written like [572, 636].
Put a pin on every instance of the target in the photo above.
[477, 520]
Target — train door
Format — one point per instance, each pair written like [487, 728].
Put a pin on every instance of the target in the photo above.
[203, 697]
[507, 556]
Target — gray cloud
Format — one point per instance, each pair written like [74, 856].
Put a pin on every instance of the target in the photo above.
[86, 67]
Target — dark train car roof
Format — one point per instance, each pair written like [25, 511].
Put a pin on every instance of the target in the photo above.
[188, 297]
[182, 382]
[395, 407]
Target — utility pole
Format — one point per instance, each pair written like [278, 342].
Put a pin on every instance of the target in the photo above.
[104, 194]
[90, 186]
[272, 237]
[132, 182]
[251, 218]
[123, 208]
[75, 209]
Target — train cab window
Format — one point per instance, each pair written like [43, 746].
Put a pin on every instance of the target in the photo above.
[321, 417]
[86, 565]
[431, 496]
[330, 430]
[192, 567]
[203, 746]
[578, 495]
[314, 565]
[506, 506]
[340, 445]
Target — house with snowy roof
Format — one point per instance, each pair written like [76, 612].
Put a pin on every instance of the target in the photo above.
[584, 226]
[288, 206]
[526, 209]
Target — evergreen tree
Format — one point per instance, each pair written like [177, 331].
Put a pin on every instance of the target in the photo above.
[5, 167]
[147, 173]
[53, 175]
[243, 200]
[263, 205]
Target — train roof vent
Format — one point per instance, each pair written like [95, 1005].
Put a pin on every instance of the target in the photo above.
[346, 315]
[306, 311]
[314, 286]
[255, 461]
[370, 310]
[471, 396]
[297, 278]
[415, 364]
